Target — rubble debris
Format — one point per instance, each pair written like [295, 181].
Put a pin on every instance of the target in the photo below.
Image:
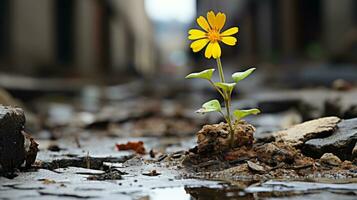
[276, 153]
[330, 159]
[138, 147]
[340, 143]
[108, 175]
[16, 147]
[215, 138]
[48, 181]
[31, 149]
[152, 173]
[255, 167]
[152, 153]
[300, 133]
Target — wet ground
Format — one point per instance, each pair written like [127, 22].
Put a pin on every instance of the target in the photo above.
[87, 173]
[79, 156]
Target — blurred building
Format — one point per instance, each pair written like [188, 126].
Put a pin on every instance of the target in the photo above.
[79, 37]
[291, 29]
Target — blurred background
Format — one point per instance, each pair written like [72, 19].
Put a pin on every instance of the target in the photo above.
[112, 49]
[111, 40]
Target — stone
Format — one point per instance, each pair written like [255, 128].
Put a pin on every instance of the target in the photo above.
[300, 133]
[215, 138]
[340, 143]
[255, 167]
[12, 149]
[330, 159]
[276, 153]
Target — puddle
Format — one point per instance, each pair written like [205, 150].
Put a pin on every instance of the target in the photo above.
[272, 190]
[178, 193]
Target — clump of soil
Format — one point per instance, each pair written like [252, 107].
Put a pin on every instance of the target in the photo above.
[215, 138]
[214, 149]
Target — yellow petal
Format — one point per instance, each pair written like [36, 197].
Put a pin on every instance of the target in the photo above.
[211, 19]
[208, 52]
[202, 22]
[216, 50]
[196, 34]
[220, 20]
[199, 44]
[230, 31]
[229, 40]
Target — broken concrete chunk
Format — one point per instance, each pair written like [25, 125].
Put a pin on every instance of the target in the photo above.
[330, 159]
[16, 146]
[340, 143]
[300, 133]
[12, 150]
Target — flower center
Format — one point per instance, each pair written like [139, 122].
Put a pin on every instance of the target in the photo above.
[214, 36]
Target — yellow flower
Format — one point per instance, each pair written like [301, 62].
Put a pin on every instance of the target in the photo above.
[212, 34]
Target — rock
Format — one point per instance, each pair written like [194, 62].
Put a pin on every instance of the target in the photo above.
[215, 138]
[16, 146]
[340, 143]
[152, 173]
[300, 133]
[255, 167]
[275, 153]
[330, 159]
[12, 150]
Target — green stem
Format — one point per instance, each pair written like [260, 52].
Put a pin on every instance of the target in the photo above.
[227, 100]
[229, 121]
[220, 70]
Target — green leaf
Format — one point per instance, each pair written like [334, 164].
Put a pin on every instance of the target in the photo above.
[205, 74]
[227, 87]
[238, 76]
[210, 106]
[239, 114]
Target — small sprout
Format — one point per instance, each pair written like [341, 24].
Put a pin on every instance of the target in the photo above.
[238, 76]
[226, 87]
[205, 74]
[210, 106]
[239, 114]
